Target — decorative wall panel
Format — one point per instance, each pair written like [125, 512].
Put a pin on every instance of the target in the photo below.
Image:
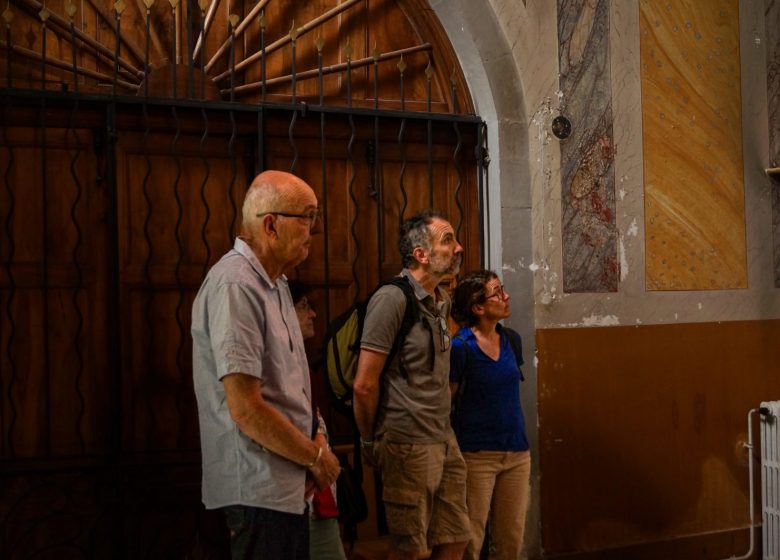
[692, 134]
[590, 262]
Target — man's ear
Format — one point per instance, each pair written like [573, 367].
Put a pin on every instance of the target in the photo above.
[420, 255]
[269, 226]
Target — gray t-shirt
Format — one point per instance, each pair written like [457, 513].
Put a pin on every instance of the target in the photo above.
[243, 322]
[415, 400]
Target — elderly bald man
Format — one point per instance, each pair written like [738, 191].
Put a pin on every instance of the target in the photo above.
[251, 378]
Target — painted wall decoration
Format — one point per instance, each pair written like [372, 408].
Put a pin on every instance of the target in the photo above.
[692, 135]
[590, 260]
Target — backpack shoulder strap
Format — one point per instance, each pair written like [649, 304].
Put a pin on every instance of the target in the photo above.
[410, 317]
[457, 398]
[516, 342]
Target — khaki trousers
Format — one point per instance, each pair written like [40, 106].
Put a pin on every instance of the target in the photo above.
[497, 485]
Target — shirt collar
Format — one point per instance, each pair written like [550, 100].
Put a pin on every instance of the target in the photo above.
[243, 249]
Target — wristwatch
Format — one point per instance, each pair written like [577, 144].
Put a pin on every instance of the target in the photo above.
[366, 443]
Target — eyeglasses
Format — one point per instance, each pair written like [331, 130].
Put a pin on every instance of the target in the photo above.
[312, 215]
[498, 292]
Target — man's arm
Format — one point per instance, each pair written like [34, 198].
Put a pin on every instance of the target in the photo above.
[270, 428]
[366, 390]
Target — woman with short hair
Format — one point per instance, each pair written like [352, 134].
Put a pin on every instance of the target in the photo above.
[487, 415]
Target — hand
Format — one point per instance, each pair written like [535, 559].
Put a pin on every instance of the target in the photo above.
[327, 469]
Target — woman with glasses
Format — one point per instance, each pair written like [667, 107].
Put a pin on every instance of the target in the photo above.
[487, 416]
[324, 534]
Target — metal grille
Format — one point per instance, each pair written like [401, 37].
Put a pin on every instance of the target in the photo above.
[111, 214]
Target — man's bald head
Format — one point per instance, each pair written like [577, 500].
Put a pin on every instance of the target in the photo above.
[273, 191]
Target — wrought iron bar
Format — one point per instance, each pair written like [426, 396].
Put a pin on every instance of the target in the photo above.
[459, 169]
[453, 93]
[239, 30]
[8, 17]
[75, 257]
[32, 55]
[150, 335]
[45, 246]
[284, 40]
[108, 20]
[113, 312]
[180, 307]
[147, 45]
[262, 61]
[233, 19]
[119, 7]
[207, 172]
[233, 174]
[173, 46]
[9, 305]
[319, 44]
[377, 171]
[71, 8]
[335, 68]
[293, 36]
[43, 14]
[402, 148]
[60, 26]
[480, 153]
[202, 55]
[429, 130]
[356, 203]
[199, 49]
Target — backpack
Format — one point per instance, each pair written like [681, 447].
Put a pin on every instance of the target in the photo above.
[342, 343]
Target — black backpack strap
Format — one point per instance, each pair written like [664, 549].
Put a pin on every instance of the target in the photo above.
[411, 316]
[457, 399]
[516, 342]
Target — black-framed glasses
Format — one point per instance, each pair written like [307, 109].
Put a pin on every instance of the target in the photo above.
[312, 215]
[498, 292]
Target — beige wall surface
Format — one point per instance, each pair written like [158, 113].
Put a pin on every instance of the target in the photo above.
[509, 50]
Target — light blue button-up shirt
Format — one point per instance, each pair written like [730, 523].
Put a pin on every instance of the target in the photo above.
[243, 322]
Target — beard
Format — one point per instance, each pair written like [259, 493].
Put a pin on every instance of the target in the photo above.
[442, 267]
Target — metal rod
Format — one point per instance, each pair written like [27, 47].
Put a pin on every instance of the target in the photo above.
[108, 20]
[205, 27]
[286, 39]
[32, 55]
[309, 74]
[117, 35]
[262, 61]
[64, 27]
[238, 32]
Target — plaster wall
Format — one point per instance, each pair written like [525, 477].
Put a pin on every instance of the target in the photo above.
[509, 52]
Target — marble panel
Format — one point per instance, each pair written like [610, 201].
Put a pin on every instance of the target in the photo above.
[692, 141]
[589, 231]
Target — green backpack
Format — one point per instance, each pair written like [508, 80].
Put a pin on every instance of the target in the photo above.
[342, 343]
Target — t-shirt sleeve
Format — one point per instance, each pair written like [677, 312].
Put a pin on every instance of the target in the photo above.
[236, 326]
[384, 315]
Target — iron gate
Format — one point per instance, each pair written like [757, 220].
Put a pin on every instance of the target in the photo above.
[112, 208]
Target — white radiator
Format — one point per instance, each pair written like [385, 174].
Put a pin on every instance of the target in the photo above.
[770, 477]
